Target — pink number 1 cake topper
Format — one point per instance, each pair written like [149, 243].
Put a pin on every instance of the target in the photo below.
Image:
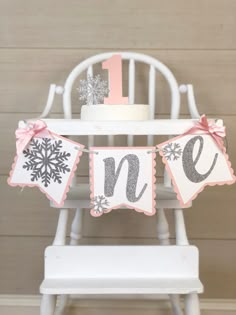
[114, 67]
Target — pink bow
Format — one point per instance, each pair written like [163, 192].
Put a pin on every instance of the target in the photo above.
[24, 135]
[217, 132]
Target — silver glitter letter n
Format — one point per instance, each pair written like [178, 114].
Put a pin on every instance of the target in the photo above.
[111, 177]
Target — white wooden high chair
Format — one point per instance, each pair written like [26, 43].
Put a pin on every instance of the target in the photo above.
[171, 270]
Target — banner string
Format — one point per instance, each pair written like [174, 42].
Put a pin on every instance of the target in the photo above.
[96, 152]
[154, 151]
[86, 150]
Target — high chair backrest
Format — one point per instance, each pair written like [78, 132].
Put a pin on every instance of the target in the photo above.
[154, 66]
[87, 68]
[132, 58]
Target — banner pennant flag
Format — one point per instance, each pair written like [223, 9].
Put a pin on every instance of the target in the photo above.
[194, 161]
[122, 177]
[47, 161]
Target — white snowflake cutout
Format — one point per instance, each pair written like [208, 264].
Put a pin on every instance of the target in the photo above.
[172, 151]
[99, 204]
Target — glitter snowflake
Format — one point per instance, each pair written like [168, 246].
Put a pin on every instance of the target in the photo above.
[172, 151]
[100, 204]
[46, 161]
[93, 90]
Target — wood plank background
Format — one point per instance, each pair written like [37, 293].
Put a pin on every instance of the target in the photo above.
[40, 43]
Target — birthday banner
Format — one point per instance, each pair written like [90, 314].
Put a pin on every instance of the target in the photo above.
[122, 177]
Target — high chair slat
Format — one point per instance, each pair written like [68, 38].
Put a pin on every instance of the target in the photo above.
[130, 138]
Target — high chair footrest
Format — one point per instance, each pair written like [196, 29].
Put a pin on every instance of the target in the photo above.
[121, 286]
[121, 269]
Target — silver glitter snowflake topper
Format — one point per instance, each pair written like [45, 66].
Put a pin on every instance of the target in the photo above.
[172, 151]
[93, 90]
[99, 204]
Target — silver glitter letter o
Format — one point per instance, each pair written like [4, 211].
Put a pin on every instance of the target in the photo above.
[189, 164]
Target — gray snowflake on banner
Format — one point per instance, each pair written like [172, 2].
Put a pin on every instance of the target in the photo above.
[93, 90]
[46, 161]
[172, 151]
[100, 204]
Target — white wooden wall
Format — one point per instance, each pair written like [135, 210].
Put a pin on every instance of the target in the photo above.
[40, 42]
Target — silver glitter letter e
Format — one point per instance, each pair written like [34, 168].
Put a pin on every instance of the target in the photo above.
[189, 164]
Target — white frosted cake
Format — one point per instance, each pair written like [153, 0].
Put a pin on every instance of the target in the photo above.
[115, 112]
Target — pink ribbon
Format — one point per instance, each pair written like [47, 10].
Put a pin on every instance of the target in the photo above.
[217, 132]
[24, 135]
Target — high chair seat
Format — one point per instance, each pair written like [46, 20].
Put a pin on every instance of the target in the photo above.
[131, 286]
[78, 196]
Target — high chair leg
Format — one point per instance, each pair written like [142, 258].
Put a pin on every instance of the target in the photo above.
[162, 228]
[76, 227]
[192, 306]
[163, 235]
[61, 309]
[48, 304]
[60, 236]
[175, 304]
[60, 239]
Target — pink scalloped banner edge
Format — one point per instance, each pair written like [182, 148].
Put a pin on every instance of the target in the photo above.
[164, 160]
[40, 188]
[91, 176]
